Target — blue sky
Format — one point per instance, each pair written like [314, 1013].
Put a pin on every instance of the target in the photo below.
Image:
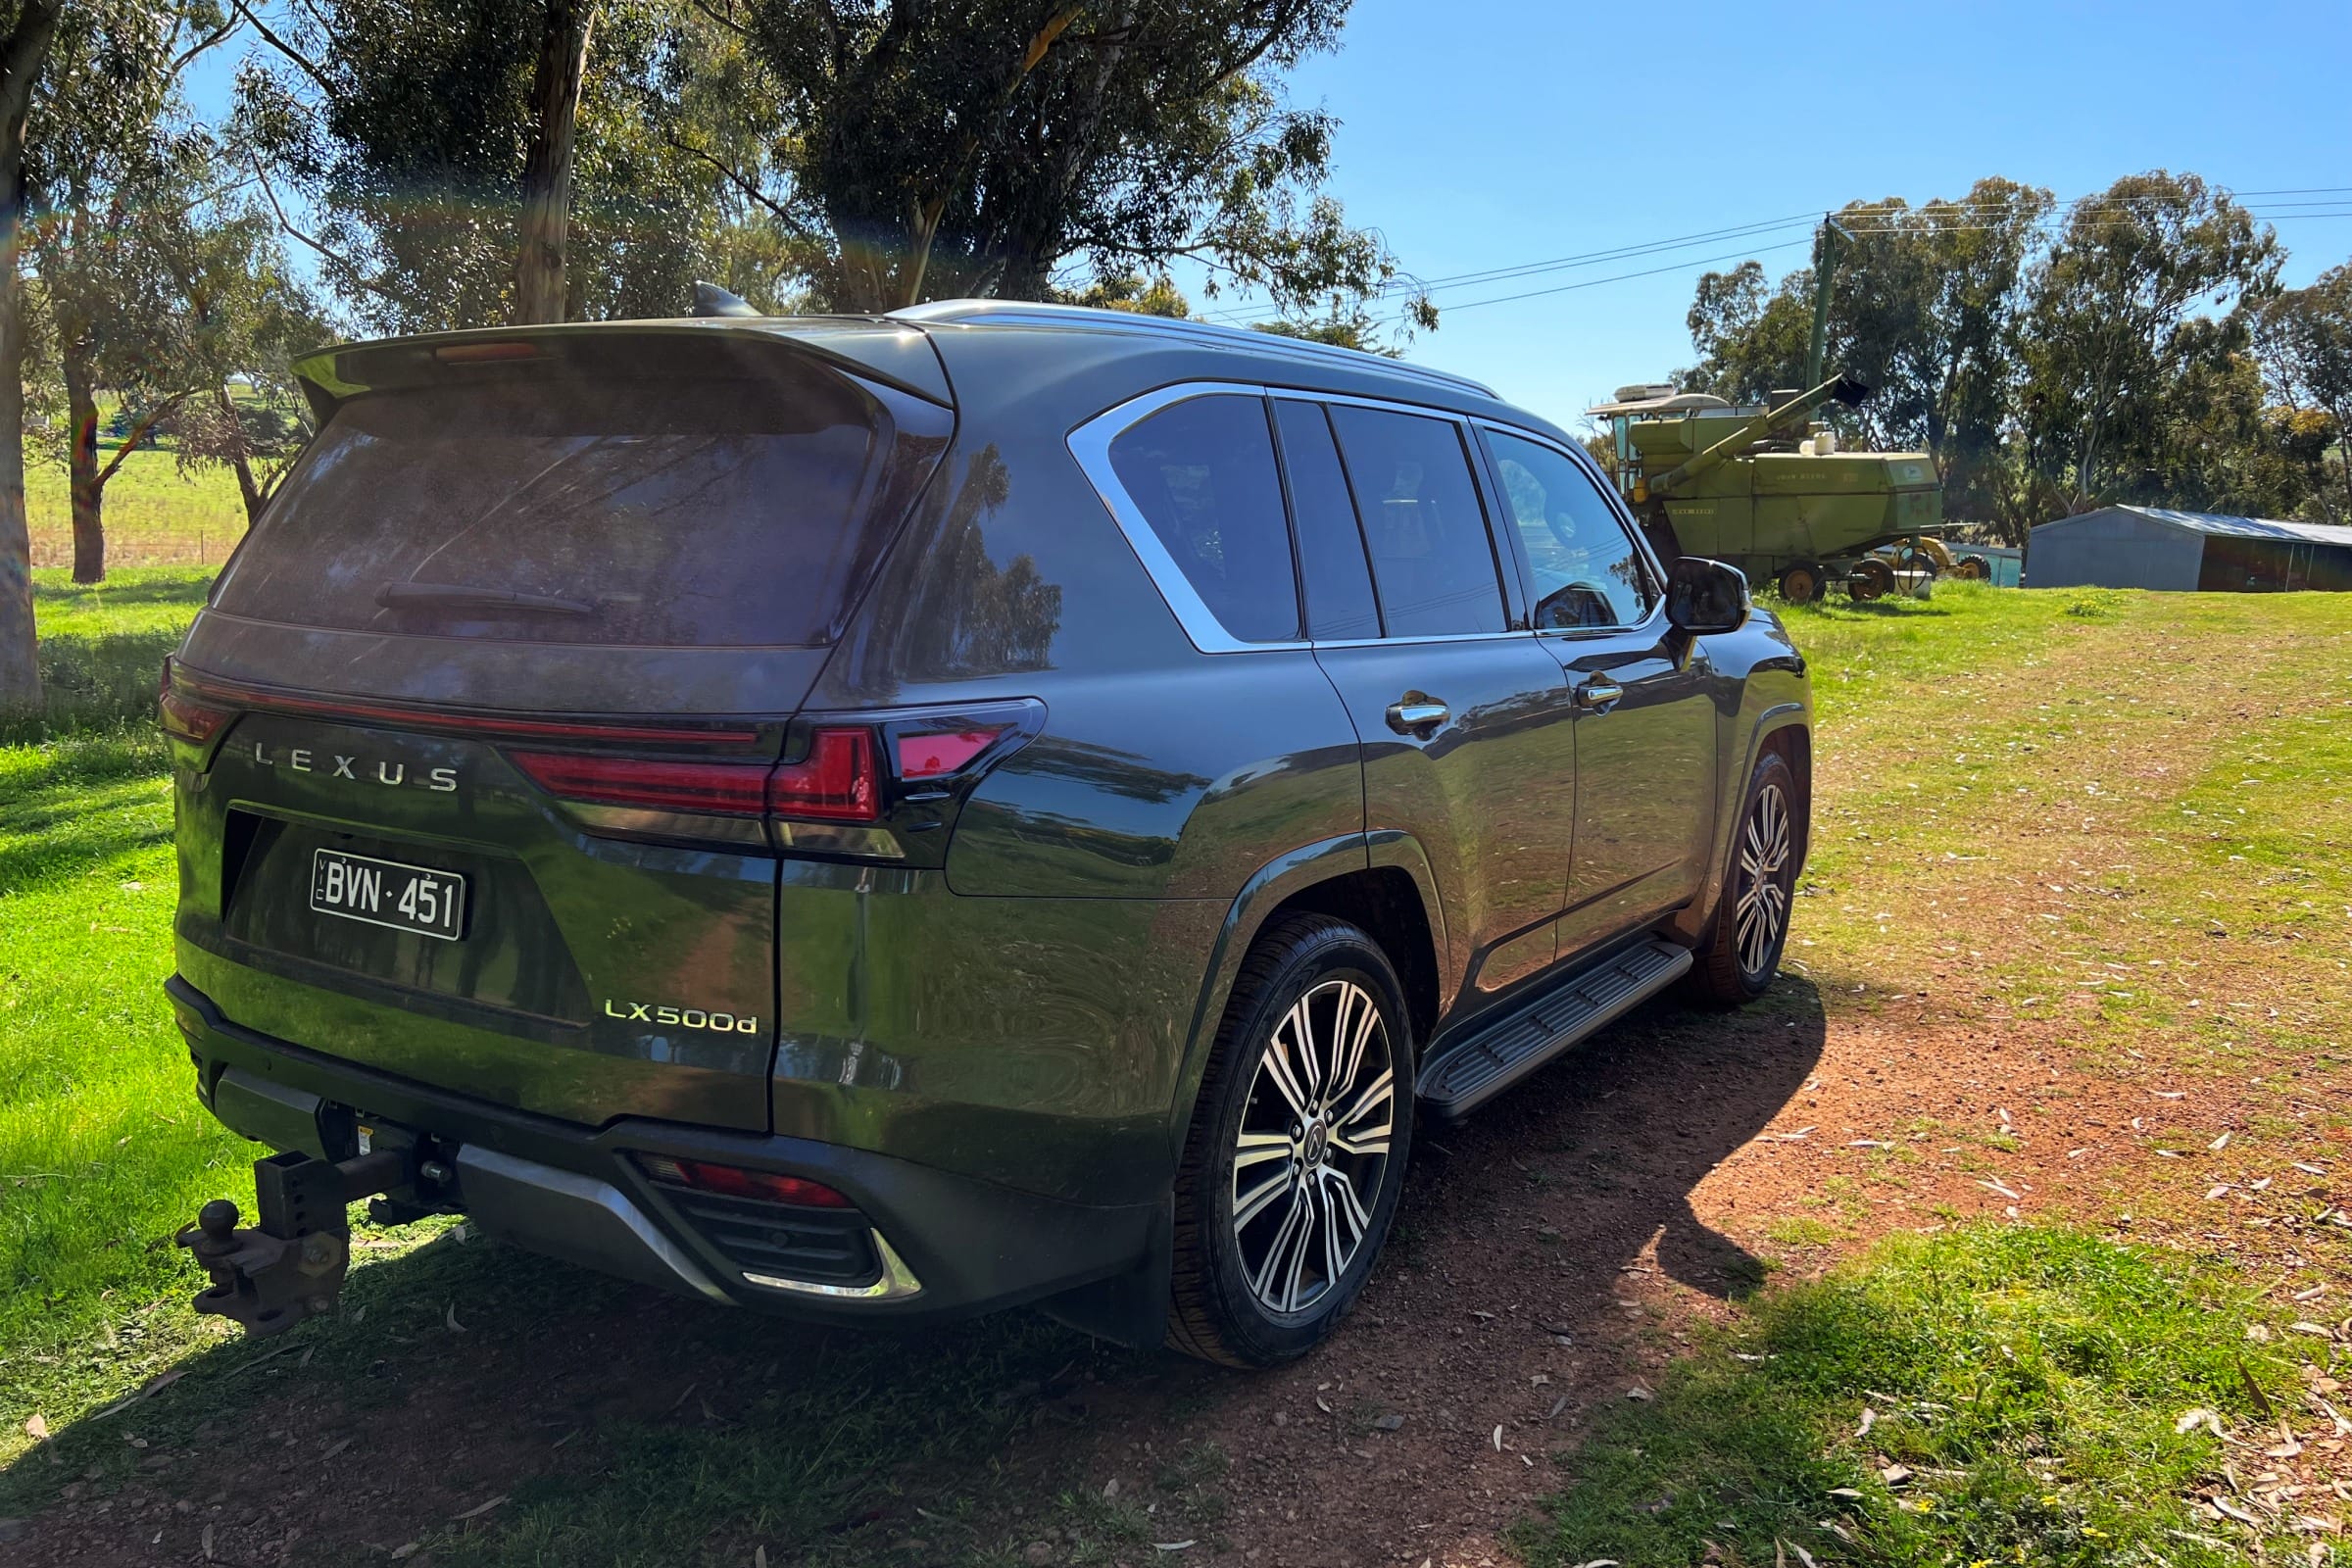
[1480, 135]
[1483, 133]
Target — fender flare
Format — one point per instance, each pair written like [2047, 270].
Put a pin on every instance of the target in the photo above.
[1266, 890]
[1700, 912]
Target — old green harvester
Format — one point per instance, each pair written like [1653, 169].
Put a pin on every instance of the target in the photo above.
[1766, 488]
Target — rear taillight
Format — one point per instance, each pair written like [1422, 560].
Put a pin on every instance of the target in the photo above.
[731, 1181]
[838, 781]
[716, 789]
[876, 787]
[184, 718]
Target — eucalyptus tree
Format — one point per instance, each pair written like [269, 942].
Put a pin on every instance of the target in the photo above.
[123, 181]
[27, 29]
[481, 160]
[2305, 336]
[941, 147]
[2114, 324]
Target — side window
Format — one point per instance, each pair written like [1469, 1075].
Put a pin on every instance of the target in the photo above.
[1331, 547]
[1432, 562]
[1201, 473]
[1587, 572]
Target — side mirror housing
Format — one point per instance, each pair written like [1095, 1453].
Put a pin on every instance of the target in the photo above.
[1705, 597]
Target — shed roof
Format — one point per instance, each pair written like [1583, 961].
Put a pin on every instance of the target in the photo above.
[2217, 522]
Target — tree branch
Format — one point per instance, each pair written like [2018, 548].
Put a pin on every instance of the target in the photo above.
[317, 75]
[218, 35]
[351, 269]
[728, 22]
[138, 433]
[742, 184]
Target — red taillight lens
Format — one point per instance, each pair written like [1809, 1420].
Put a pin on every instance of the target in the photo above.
[183, 718]
[732, 1182]
[718, 789]
[939, 756]
[838, 781]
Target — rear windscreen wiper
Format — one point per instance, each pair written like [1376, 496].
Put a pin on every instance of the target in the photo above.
[458, 596]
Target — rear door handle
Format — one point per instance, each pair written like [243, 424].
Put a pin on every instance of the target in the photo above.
[1415, 718]
[1598, 694]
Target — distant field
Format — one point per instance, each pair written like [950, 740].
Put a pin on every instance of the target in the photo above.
[156, 515]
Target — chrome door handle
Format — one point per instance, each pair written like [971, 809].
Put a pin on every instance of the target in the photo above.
[1598, 694]
[1407, 718]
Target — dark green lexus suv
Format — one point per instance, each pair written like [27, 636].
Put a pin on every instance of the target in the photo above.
[888, 818]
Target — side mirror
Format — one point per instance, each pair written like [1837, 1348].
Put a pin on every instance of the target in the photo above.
[1704, 597]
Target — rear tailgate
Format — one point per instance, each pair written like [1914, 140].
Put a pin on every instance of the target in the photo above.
[613, 545]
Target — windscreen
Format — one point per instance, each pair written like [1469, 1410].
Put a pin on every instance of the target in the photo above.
[662, 511]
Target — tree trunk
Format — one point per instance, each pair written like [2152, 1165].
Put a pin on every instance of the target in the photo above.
[82, 483]
[539, 261]
[239, 458]
[22, 54]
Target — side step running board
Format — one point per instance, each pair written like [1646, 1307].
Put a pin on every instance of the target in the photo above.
[1466, 1075]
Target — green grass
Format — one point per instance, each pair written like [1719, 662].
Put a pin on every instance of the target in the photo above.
[100, 1138]
[154, 513]
[2033, 1382]
[102, 646]
[1960, 738]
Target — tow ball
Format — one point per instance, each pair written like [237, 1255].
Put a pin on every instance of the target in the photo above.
[290, 1265]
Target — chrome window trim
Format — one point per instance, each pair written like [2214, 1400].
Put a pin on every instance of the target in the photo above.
[1089, 443]
[1582, 461]
[897, 1284]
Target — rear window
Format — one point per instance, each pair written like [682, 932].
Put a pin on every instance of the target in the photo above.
[570, 508]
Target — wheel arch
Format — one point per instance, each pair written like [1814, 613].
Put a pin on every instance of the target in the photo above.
[1380, 881]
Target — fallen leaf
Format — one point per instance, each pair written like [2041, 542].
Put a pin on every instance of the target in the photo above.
[398, 1553]
[2221, 1191]
[450, 1318]
[1638, 1392]
[337, 1449]
[36, 1426]
[206, 1544]
[2190, 1420]
[1870, 1418]
[478, 1510]
[1498, 1439]
[1174, 1545]
[2218, 1143]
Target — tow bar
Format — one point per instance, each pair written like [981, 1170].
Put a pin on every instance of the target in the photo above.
[291, 1265]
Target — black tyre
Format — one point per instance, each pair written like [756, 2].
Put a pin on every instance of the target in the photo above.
[1871, 578]
[1298, 1147]
[1803, 583]
[1972, 569]
[1750, 926]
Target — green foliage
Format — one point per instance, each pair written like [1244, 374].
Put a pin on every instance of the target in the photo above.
[2029, 1380]
[2134, 355]
[979, 147]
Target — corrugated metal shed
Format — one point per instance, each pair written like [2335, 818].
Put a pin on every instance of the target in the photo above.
[2155, 547]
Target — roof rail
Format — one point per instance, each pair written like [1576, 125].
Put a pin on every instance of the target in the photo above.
[1028, 312]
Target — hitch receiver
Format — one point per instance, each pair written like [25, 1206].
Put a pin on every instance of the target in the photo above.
[291, 1265]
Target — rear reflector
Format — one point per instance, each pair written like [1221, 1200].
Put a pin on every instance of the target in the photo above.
[939, 756]
[732, 1182]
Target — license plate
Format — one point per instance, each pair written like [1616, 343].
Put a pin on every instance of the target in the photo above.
[386, 893]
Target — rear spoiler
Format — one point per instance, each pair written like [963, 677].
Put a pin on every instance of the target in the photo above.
[893, 354]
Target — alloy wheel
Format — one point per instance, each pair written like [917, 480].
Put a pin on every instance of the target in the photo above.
[1766, 840]
[1313, 1147]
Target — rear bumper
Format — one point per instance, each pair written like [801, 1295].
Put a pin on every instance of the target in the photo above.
[947, 1246]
